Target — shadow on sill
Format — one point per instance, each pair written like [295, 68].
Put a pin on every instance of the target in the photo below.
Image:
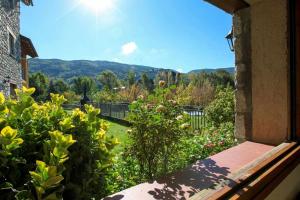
[204, 174]
[202, 178]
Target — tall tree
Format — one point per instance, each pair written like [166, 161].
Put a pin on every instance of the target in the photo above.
[41, 83]
[147, 83]
[130, 78]
[83, 85]
[108, 79]
[58, 86]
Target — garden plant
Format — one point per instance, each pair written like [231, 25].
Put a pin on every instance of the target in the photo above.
[48, 153]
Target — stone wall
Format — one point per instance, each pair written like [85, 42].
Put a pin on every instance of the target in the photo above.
[243, 79]
[9, 66]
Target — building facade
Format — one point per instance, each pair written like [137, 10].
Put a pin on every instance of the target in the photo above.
[12, 74]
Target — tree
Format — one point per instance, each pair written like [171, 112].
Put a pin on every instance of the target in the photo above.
[83, 85]
[148, 84]
[57, 87]
[130, 78]
[41, 83]
[108, 79]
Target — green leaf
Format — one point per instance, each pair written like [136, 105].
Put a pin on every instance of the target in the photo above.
[52, 171]
[52, 196]
[23, 195]
[53, 181]
[6, 186]
[36, 177]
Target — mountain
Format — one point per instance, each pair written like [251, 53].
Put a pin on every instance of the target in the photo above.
[56, 68]
[67, 70]
[228, 69]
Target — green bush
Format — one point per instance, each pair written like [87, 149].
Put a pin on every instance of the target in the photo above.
[158, 125]
[48, 153]
[221, 109]
[210, 142]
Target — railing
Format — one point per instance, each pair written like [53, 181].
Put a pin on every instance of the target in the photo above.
[121, 110]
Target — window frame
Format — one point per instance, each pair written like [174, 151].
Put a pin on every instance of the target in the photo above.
[11, 4]
[11, 49]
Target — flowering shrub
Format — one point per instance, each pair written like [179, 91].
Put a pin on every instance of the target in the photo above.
[48, 153]
[221, 109]
[158, 125]
[210, 142]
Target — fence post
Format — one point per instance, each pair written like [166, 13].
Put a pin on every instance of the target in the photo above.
[124, 111]
[110, 105]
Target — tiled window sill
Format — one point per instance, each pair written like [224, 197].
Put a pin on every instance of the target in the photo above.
[205, 177]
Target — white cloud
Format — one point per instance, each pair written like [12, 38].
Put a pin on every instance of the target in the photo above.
[129, 48]
[180, 70]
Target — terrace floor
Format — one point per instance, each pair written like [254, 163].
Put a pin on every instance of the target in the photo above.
[204, 175]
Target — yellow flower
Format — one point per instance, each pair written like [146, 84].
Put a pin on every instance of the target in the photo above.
[180, 117]
[141, 97]
[162, 83]
[185, 126]
[173, 102]
[2, 98]
[160, 108]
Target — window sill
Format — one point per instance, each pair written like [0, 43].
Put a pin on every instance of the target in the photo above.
[216, 175]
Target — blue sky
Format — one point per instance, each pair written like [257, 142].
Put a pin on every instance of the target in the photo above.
[177, 34]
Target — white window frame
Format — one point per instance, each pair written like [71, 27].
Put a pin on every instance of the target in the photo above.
[10, 32]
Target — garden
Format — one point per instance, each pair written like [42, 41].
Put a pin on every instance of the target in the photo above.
[48, 153]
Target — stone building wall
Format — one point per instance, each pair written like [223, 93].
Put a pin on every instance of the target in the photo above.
[243, 78]
[9, 66]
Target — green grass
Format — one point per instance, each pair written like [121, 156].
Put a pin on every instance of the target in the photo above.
[120, 132]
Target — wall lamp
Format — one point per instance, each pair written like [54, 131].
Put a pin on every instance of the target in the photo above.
[229, 37]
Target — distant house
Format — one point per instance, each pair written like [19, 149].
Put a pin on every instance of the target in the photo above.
[14, 48]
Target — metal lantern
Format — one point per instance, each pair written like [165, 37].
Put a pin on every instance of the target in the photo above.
[229, 38]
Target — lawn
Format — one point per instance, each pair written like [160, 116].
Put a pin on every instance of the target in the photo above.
[120, 132]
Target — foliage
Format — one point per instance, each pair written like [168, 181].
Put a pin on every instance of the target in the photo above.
[216, 78]
[71, 97]
[83, 85]
[158, 124]
[203, 94]
[109, 80]
[221, 109]
[48, 153]
[105, 96]
[57, 87]
[130, 79]
[41, 83]
[147, 83]
[212, 141]
[126, 172]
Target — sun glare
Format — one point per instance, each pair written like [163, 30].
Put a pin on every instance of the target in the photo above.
[98, 6]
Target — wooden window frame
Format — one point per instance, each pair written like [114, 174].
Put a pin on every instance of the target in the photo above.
[294, 19]
[11, 46]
